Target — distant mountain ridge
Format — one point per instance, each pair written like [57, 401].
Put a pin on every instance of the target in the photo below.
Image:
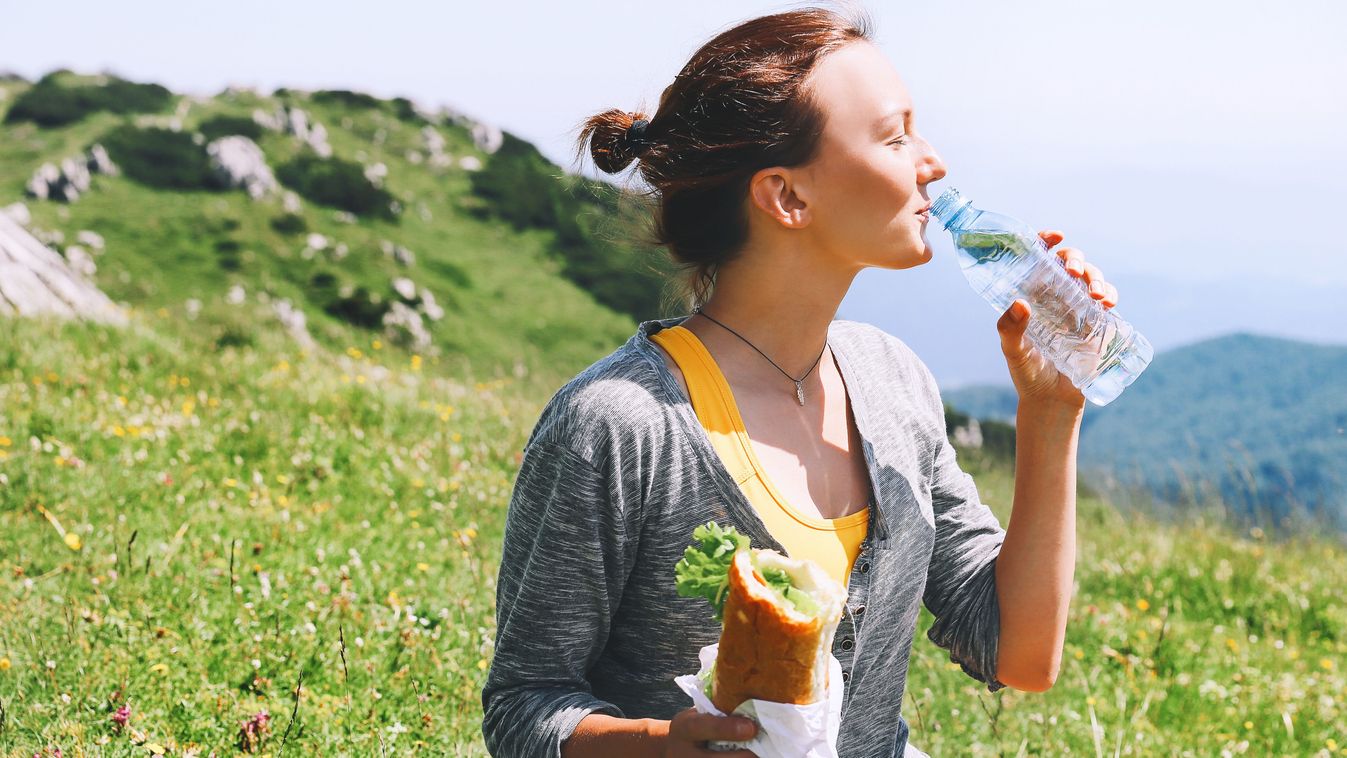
[1260, 421]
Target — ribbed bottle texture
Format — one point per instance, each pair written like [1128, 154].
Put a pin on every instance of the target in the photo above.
[1004, 259]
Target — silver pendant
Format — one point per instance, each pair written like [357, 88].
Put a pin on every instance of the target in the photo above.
[799, 394]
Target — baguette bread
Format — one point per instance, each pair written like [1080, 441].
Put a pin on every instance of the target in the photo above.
[770, 649]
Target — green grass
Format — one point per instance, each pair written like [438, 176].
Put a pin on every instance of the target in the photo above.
[370, 496]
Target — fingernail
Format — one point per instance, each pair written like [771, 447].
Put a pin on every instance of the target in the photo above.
[744, 729]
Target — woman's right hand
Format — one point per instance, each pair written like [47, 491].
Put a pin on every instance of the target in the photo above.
[690, 730]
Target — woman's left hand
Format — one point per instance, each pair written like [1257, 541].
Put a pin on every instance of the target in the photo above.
[1035, 378]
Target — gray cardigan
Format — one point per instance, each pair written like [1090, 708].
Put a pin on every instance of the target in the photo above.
[618, 472]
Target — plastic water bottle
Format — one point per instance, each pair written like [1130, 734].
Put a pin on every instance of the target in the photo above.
[1004, 259]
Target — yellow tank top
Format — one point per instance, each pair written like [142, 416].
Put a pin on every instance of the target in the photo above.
[832, 543]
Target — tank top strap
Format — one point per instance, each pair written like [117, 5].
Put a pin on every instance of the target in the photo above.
[710, 397]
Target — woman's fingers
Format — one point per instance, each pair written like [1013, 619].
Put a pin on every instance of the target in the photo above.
[1074, 260]
[700, 727]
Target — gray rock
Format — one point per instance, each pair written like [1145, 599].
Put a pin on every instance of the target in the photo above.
[290, 202]
[46, 176]
[969, 435]
[404, 326]
[470, 163]
[295, 121]
[240, 163]
[92, 240]
[80, 261]
[236, 295]
[376, 174]
[405, 288]
[36, 281]
[428, 305]
[293, 320]
[72, 178]
[99, 162]
[487, 137]
[18, 212]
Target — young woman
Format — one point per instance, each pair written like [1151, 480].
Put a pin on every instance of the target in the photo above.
[785, 159]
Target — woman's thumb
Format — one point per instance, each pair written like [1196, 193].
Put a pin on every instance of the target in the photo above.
[1012, 325]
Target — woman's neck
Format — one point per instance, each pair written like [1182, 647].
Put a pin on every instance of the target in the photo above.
[783, 309]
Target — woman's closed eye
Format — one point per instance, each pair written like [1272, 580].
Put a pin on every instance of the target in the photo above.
[900, 141]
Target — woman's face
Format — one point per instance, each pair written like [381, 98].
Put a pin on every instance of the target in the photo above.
[867, 185]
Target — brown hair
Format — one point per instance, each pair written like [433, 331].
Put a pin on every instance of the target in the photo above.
[738, 105]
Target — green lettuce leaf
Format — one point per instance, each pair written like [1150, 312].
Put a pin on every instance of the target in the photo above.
[704, 570]
[780, 581]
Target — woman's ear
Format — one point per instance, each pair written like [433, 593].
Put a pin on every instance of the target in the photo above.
[773, 191]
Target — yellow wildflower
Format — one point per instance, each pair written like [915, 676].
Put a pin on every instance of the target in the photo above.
[423, 567]
[4, 664]
[1230, 643]
[72, 540]
[1326, 664]
[159, 668]
[5, 441]
[1143, 604]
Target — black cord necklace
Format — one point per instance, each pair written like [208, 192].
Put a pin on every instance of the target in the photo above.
[799, 390]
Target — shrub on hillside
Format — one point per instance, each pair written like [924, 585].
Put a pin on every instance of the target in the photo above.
[405, 110]
[346, 97]
[336, 183]
[290, 223]
[49, 103]
[161, 158]
[520, 186]
[227, 126]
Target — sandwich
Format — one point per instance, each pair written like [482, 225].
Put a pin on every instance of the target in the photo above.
[778, 616]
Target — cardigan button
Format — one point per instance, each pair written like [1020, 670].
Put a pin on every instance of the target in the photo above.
[846, 676]
[848, 644]
[859, 610]
[865, 568]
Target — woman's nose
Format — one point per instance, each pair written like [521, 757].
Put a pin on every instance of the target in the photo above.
[930, 168]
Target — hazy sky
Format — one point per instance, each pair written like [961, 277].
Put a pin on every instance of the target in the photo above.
[1193, 150]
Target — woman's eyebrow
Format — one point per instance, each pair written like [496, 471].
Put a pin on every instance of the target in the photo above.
[886, 118]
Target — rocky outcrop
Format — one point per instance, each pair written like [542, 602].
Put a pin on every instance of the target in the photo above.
[398, 253]
[969, 435]
[435, 144]
[36, 281]
[291, 120]
[238, 162]
[294, 322]
[488, 138]
[404, 326]
[72, 178]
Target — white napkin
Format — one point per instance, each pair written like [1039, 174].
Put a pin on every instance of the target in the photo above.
[784, 730]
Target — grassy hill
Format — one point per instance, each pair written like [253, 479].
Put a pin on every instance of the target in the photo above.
[232, 544]
[513, 292]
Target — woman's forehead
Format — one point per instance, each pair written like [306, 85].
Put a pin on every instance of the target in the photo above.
[860, 89]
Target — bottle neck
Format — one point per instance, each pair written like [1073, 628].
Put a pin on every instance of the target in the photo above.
[952, 208]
